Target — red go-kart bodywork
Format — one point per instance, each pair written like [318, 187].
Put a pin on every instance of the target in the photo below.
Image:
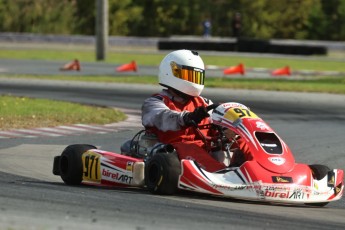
[270, 175]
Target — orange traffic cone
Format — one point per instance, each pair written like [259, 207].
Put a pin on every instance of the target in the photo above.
[235, 69]
[128, 67]
[73, 65]
[282, 71]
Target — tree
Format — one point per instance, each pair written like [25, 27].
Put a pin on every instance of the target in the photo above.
[85, 17]
[288, 19]
[123, 15]
[275, 18]
[39, 16]
[334, 11]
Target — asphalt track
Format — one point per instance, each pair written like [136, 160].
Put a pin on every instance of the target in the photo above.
[32, 198]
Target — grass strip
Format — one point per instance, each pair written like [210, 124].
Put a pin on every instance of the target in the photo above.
[24, 112]
[335, 85]
[321, 85]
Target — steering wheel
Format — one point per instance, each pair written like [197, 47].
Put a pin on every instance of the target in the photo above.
[213, 106]
[206, 140]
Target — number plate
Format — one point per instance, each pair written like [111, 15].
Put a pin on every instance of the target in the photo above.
[238, 113]
[91, 166]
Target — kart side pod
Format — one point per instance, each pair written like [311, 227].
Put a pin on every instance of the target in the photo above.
[86, 164]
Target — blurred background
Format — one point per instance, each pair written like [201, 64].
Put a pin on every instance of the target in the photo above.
[298, 27]
[264, 19]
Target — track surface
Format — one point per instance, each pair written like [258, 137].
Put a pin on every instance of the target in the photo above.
[32, 198]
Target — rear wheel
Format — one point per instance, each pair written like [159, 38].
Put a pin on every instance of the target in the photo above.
[71, 166]
[319, 171]
[162, 173]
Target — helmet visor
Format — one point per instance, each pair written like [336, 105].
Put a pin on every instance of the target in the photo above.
[188, 73]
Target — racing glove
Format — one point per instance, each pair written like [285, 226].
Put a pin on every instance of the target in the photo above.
[195, 117]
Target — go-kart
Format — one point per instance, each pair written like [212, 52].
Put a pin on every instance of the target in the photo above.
[271, 175]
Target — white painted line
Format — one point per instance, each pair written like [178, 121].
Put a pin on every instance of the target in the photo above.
[10, 134]
[70, 128]
[52, 132]
[132, 121]
[34, 132]
[260, 69]
[21, 133]
[101, 128]
[212, 67]
[27, 131]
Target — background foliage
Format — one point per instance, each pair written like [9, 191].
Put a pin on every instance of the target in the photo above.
[286, 19]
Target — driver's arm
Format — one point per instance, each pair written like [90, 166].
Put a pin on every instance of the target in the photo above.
[156, 114]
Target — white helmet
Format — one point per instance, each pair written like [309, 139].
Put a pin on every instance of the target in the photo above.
[183, 70]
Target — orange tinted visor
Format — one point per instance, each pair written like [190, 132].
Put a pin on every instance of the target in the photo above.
[188, 73]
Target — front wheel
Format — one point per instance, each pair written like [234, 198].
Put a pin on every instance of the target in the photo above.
[71, 165]
[162, 173]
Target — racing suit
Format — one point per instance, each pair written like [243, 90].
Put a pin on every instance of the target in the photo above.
[163, 114]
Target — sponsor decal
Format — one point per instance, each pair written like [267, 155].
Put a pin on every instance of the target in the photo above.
[297, 195]
[331, 179]
[250, 187]
[337, 190]
[129, 166]
[227, 187]
[281, 179]
[232, 105]
[261, 125]
[118, 177]
[277, 160]
[285, 195]
[275, 188]
[260, 194]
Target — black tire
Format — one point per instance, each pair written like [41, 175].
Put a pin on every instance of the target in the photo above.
[162, 172]
[71, 166]
[319, 171]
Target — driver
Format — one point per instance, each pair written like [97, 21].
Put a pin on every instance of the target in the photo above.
[171, 113]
